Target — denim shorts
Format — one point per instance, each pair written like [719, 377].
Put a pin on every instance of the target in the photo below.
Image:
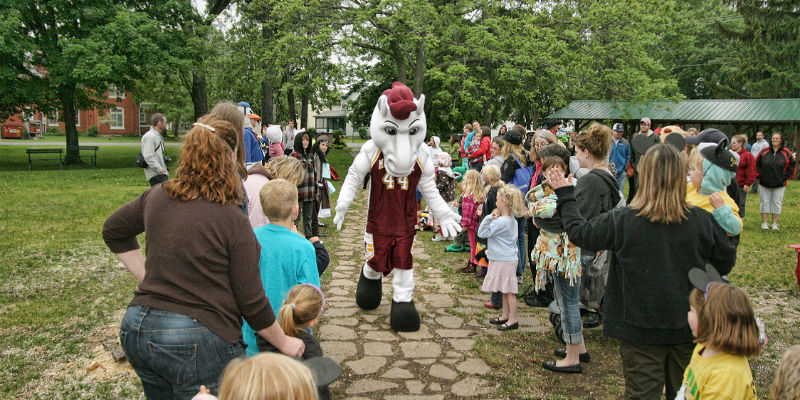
[174, 354]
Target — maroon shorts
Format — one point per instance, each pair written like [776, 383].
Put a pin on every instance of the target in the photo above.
[387, 252]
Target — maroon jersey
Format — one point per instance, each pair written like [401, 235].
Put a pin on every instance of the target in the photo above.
[392, 201]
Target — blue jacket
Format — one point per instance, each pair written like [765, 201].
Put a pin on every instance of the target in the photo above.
[620, 154]
[252, 149]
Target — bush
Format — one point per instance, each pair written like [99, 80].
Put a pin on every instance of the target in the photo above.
[92, 131]
[312, 132]
[337, 136]
[53, 131]
[363, 133]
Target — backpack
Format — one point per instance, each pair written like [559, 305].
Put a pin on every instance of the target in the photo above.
[522, 176]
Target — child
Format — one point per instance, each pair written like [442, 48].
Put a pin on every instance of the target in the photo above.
[472, 192]
[445, 183]
[286, 258]
[300, 310]
[711, 169]
[500, 229]
[786, 385]
[724, 326]
[308, 190]
[553, 252]
[272, 376]
[274, 138]
[491, 181]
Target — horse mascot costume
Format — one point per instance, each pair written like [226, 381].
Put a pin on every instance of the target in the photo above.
[398, 163]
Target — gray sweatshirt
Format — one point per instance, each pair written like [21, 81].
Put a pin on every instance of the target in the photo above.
[153, 153]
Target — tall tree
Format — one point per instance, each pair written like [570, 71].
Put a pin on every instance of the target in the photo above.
[81, 47]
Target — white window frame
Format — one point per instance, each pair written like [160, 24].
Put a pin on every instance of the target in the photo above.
[112, 120]
[54, 120]
[115, 93]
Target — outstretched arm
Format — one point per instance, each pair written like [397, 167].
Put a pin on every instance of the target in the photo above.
[355, 175]
[449, 221]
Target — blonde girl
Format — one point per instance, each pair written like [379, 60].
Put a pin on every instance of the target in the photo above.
[301, 309]
[500, 229]
[786, 385]
[472, 199]
[724, 325]
[491, 180]
[267, 376]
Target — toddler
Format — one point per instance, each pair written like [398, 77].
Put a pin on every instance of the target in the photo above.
[786, 385]
[274, 137]
[711, 168]
[473, 196]
[500, 230]
[723, 323]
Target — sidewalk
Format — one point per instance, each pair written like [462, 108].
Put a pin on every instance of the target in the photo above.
[438, 361]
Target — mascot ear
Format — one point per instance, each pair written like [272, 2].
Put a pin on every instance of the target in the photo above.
[421, 104]
[383, 106]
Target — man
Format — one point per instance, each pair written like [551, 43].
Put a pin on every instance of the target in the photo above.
[620, 155]
[759, 145]
[252, 149]
[644, 129]
[288, 138]
[153, 150]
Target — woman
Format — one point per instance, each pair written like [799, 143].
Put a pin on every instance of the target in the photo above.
[597, 193]
[775, 165]
[322, 168]
[495, 150]
[656, 240]
[184, 323]
[478, 148]
[502, 131]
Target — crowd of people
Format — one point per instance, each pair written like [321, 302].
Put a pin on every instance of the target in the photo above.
[230, 282]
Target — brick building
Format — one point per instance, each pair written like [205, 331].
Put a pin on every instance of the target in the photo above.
[124, 117]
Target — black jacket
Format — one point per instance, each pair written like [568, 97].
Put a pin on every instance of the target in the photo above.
[775, 167]
[647, 294]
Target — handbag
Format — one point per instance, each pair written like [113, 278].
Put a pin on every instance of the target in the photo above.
[326, 171]
[140, 162]
[522, 176]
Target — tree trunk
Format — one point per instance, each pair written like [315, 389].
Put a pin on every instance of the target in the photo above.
[67, 95]
[267, 103]
[419, 71]
[400, 61]
[291, 106]
[199, 95]
[304, 110]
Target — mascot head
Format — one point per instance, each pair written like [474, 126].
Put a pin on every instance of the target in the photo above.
[398, 128]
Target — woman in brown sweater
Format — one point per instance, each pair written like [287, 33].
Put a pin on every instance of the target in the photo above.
[201, 275]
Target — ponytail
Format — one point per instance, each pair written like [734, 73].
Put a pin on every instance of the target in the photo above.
[302, 305]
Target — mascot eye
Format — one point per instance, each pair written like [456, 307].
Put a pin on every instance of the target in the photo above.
[390, 131]
[413, 131]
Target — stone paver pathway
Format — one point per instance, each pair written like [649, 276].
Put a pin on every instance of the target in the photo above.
[436, 362]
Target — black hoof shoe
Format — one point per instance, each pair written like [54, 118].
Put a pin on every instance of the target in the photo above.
[368, 294]
[404, 317]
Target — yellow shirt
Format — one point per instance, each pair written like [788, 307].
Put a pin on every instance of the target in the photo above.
[722, 376]
[694, 198]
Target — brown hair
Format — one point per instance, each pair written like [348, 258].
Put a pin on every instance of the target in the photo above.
[302, 304]
[740, 138]
[486, 131]
[267, 376]
[230, 112]
[786, 385]
[725, 320]
[597, 140]
[553, 161]
[661, 192]
[288, 168]
[278, 199]
[206, 169]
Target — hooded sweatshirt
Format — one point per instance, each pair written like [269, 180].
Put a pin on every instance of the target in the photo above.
[715, 179]
[307, 191]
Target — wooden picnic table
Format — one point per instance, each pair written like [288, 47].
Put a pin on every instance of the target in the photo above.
[45, 154]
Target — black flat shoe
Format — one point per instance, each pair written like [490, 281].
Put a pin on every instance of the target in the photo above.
[321, 224]
[507, 327]
[562, 352]
[593, 320]
[498, 321]
[568, 369]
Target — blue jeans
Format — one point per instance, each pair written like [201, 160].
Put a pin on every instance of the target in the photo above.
[568, 300]
[174, 354]
[521, 245]
[621, 178]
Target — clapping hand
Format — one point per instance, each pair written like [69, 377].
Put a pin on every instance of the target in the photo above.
[556, 180]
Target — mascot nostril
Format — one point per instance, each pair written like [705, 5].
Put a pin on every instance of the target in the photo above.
[399, 165]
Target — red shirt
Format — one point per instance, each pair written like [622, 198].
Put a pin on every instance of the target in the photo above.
[746, 171]
[392, 200]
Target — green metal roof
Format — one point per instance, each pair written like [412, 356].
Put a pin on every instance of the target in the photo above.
[729, 110]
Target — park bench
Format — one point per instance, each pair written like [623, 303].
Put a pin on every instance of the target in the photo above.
[89, 152]
[44, 154]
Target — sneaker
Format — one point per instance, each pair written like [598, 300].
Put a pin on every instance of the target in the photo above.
[775, 227]
[765, 226]
[438, 238]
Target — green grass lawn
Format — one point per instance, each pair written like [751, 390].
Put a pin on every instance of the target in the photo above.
[59, 285]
